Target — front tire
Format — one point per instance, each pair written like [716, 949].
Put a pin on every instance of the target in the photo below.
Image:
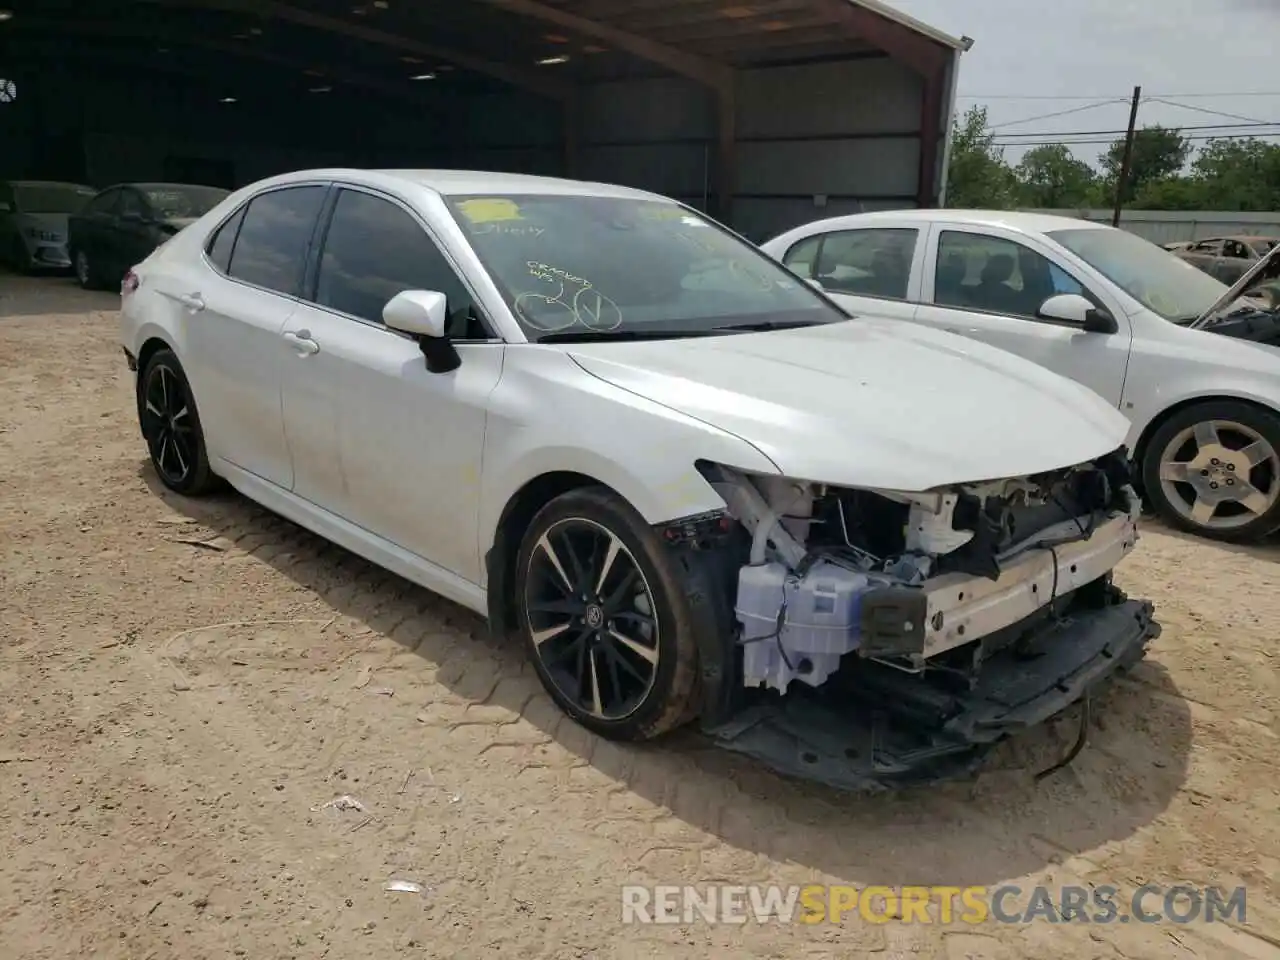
[603, 617]
[1214, 469]
[86, 273]
[171, 426]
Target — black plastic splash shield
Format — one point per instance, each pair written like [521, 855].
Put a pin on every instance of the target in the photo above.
[851, 737]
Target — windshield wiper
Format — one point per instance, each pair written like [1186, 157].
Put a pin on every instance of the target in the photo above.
[763, 326]
[602, 336]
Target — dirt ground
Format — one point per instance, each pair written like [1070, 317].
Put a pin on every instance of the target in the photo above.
[176, 716]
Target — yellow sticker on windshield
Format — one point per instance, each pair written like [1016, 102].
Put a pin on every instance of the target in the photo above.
[490, 210]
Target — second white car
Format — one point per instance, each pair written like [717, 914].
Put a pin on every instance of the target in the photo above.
[1093, 303]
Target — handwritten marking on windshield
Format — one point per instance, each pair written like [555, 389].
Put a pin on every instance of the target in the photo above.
[551, 312]
[551, 274]
[507, 230]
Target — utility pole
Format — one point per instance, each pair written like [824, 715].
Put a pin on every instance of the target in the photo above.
[1123, 180]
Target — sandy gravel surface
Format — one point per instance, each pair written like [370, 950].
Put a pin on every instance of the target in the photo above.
[176, 717]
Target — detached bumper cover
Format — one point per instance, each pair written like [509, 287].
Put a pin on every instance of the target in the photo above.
[886, 728]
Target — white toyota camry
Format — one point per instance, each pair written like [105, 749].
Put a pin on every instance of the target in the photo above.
[688, 481]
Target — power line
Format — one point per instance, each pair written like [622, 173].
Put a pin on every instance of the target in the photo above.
[1254, 124]
[1070, 97]
[1212, 113]
[1058, 113]
[1108, 141]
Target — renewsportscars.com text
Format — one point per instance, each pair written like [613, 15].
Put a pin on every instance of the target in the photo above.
[935, 904]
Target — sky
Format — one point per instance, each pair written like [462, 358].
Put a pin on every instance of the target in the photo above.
[1036, 57]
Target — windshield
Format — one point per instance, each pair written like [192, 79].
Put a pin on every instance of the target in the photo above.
[1161, 282]
[176, 202]
[51, 197]
[587, 266]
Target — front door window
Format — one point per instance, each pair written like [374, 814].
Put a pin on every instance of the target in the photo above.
[981, 272]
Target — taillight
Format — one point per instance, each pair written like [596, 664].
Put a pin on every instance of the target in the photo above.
[129, 283]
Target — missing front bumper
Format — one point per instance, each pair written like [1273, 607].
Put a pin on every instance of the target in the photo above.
[883, 728]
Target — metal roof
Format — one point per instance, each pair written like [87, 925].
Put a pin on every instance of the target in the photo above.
[919, 26]
[548, 46]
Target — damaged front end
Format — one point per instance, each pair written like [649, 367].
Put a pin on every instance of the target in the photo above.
[883, 636]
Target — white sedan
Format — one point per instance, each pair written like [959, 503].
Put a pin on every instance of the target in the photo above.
[623, 433]
[1097, 304]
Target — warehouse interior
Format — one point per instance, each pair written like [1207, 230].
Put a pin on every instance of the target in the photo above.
[764, 113]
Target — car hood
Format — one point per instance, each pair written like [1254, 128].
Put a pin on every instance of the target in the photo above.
[870, 403]
[50, 222]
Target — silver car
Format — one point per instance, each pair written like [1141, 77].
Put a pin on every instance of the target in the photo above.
[33, 222]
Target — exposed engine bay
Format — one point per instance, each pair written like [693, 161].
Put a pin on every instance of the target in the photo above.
[935, 622]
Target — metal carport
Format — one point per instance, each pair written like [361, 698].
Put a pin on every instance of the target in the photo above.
[764, 112]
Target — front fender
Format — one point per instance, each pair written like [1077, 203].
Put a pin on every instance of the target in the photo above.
[1151, 396]
[547, 415]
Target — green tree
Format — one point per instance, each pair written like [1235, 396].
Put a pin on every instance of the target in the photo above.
[977, 175]
[1052, 177]
[1158, 154]
[1238, 175]
[1169, 193]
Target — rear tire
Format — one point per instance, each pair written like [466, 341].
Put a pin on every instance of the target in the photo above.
[171, 426]
[603, 617]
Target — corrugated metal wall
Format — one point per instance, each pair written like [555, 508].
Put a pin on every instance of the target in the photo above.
[813, 140]
[1170, 226]
[826, 139]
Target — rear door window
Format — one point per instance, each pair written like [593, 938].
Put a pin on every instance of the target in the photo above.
[131, 203]
[800, 258]
[870, 262]
[271, 248]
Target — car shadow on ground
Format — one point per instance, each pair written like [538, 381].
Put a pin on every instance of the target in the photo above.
[1001, 824]
[1268, 548]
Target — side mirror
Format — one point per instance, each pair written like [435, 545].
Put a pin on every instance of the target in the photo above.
[1075, 309]
[423, 314]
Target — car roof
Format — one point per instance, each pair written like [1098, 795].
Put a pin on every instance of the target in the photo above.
[1022, 221]
[46, 183]
[470, 182]
[149, 185]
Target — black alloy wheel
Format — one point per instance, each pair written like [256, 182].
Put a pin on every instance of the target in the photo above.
[171, 426]
[602, 619]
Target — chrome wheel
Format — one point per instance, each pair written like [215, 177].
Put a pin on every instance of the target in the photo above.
[591, 617]
[82, 268]
[1220, 474]
[168, 426]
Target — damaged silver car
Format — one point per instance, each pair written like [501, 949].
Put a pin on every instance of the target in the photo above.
[689, 483]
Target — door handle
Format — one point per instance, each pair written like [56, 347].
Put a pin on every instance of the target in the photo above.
[192, 302]
[302, 342]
